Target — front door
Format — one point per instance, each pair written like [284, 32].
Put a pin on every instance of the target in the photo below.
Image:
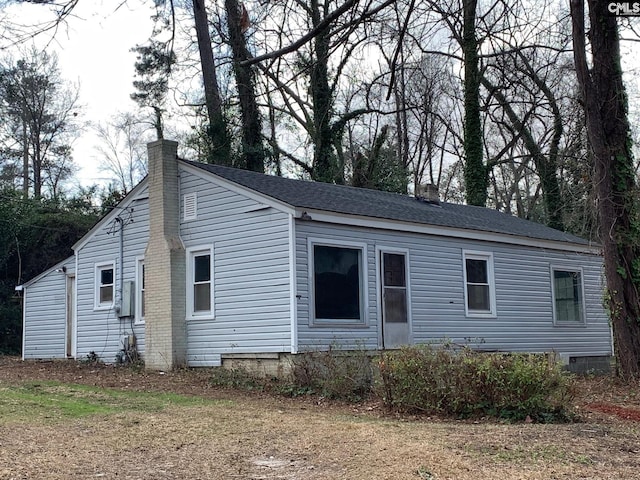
[71, 316]
[395, 305]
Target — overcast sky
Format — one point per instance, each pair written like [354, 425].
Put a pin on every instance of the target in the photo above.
[94, 50]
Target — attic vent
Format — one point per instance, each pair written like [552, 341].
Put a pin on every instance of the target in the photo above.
[190, 206]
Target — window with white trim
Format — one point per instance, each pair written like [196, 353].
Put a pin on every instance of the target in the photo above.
[479, 287]
[104, 285]
[338, 284]
[568, 295]
[200, 282]
[140, 290]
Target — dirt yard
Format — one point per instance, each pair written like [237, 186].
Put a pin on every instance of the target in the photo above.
[238, 435]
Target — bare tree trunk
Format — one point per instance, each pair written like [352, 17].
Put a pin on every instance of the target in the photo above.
[220, 144]
[605, 104]
[25, 158]
[157, 122]
[252, 148]
[273, 138]
[37, 169]
[545, 165]
[324, 158]
[476, 176]
[366, 167]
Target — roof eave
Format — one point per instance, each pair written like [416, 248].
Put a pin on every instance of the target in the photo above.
[45, 273]
[403, 226]
[131, 196]
[241, 189]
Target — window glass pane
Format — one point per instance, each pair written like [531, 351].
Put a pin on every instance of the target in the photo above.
[394, 270]
[202, 268]
[336, 273]
[202, 297]
[478, 297]
[568, 294]
[106, 276]
[476, 270]
[106, 294]
[395, 305]
[105, 289]
[142, 302]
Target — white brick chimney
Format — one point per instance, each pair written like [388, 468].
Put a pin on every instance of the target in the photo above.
[165, 270]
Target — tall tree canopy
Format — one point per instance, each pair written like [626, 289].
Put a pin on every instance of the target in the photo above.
[39, 111]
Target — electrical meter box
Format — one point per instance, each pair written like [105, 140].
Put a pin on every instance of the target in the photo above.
[126, 303]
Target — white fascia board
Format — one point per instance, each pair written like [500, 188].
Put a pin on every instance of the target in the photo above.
[133, 195]
[239, 189]
[24, 323]
[46, 272]
[143, 192]
[361, 221]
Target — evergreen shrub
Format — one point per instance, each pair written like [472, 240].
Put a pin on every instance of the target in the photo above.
[461, 382]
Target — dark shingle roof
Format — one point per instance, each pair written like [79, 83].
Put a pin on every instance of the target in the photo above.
[384, 205]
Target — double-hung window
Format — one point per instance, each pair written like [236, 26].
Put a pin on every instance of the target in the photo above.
[338, 279]
[568, 296]
[200, 282]
[104, 285]
[479, 287]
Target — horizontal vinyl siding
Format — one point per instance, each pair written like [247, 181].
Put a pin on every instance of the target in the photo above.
[100, 331]
[45, 315]
[251, 273]
[524, 320]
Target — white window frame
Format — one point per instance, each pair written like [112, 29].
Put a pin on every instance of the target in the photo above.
[139, 318]
[487, 257]
[567, 323]
[191, 253]
[363, 322]
[190, 199]
[97, 271]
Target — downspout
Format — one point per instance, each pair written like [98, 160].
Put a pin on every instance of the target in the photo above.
[293, 297]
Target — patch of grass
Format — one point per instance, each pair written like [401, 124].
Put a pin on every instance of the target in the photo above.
[582, 459]
[424, 473]
[528, 454]
[54, 400]
[543, 453]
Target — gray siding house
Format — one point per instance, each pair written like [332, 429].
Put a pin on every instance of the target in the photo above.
[203, 264]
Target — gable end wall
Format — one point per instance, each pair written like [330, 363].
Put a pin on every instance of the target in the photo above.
[250, 242]
[100, 331]
[45, 314]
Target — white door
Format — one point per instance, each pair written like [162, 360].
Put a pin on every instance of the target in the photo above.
[395, 318]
